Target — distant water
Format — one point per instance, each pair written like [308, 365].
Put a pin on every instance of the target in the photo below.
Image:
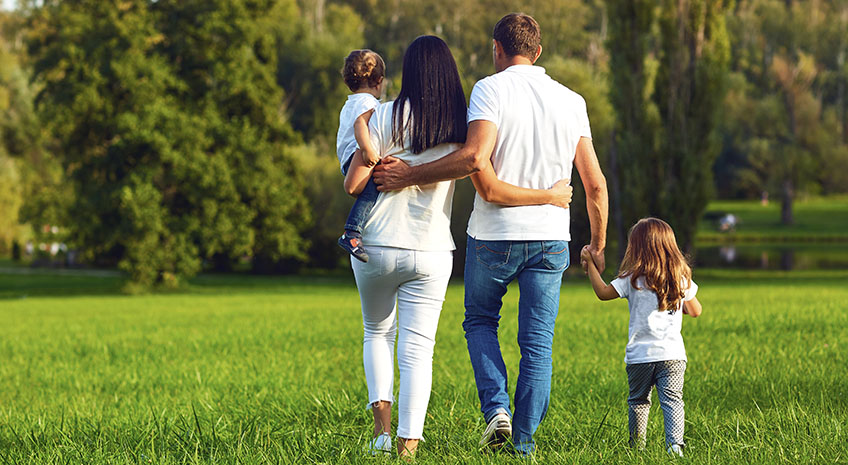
[788, 256]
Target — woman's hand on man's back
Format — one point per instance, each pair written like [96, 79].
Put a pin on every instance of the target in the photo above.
[562, 192]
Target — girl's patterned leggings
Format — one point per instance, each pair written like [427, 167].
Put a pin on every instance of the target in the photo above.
[668, 377]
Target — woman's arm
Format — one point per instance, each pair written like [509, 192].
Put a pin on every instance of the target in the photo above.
[357, 175]
[692, 307]
[493, 190]
[603, 290]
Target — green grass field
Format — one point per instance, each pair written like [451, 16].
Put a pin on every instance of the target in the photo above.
[816, 219]
[268, 370]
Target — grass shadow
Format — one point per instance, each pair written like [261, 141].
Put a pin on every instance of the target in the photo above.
[23, 282]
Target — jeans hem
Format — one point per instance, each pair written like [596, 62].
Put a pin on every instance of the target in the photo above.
[353, 227]
[496, 411]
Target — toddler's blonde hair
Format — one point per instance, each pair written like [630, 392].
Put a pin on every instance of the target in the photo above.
[363, 68]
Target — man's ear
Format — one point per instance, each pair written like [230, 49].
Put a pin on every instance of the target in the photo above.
[497, 48]
[538, 54]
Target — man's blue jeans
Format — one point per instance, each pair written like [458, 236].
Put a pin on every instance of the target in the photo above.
[489, 267]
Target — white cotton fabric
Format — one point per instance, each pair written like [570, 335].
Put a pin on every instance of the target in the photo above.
[539, 122]
[416, 217]
[355, 105]
[653, 335]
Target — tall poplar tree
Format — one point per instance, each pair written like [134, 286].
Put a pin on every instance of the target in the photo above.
[668, 64]
[630, 42]
[694, 57]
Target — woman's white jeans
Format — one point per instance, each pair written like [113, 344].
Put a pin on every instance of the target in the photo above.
[417, 282]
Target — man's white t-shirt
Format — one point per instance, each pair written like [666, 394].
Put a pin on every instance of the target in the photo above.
[355, 105]
[653, 336]
[416, 217]
[539, 122]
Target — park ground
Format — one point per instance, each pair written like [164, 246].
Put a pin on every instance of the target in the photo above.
[268, 370]
[246, 369]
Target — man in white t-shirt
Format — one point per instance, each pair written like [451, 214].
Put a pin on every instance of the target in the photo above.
[530, 130]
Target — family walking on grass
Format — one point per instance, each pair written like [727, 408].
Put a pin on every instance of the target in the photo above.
[518, 139]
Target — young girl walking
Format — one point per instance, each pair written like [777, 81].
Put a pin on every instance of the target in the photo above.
[657, 282]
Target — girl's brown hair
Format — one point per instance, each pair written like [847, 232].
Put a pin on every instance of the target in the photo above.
[363, 68]
[652, 253]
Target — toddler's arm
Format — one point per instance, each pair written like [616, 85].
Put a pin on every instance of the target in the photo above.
[603, 290]
[692, 307]
[363, 139]
[357, 174]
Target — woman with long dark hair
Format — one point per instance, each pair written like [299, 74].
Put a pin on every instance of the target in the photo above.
[402, 286]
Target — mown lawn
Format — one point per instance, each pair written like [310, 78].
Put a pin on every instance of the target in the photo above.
[816, 219]
[268, 370]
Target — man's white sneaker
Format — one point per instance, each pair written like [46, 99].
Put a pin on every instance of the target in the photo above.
[498, 431]
[382, 444]
[676, 449]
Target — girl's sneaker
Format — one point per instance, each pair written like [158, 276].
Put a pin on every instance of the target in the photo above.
[380, 445]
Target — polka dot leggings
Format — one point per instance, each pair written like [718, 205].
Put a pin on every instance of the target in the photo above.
[668, 377]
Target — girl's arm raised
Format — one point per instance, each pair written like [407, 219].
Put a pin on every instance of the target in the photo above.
[603, 290]
[692, 307]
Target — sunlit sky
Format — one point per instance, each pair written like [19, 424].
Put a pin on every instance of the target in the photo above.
[8, 4]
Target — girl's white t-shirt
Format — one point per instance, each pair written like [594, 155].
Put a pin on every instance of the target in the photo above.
[416, 217]
[355, 105]
[654, 335]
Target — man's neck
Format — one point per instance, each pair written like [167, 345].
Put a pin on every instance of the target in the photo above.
[515, 60]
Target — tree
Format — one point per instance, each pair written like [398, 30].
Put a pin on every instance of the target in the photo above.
[310, 56]
[629, 43]
[694, 55]
[784, 129]
[21, 160]
[668, 66]
[166, 119]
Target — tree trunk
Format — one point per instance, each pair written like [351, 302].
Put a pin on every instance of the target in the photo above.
[318, 25]
[618, 220]
[787, 260]
[786, 216]
[841, 78]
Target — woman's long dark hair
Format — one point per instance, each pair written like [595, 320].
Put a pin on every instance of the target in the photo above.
[432, 87]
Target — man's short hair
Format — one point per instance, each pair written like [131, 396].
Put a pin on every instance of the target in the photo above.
[518, 34]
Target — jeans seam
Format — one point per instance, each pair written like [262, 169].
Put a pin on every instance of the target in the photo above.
[506, 255]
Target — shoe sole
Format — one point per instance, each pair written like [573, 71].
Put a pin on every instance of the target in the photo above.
[362, 256]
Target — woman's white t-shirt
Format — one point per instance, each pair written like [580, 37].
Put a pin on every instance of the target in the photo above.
[654, 335]
[416, 217]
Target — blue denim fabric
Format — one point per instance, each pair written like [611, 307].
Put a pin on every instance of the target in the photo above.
[489, 268]
[362, 207]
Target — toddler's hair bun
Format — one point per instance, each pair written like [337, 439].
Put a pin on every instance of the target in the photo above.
[363, 68]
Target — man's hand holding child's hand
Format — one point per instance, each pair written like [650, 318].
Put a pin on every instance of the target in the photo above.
[585, 258]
